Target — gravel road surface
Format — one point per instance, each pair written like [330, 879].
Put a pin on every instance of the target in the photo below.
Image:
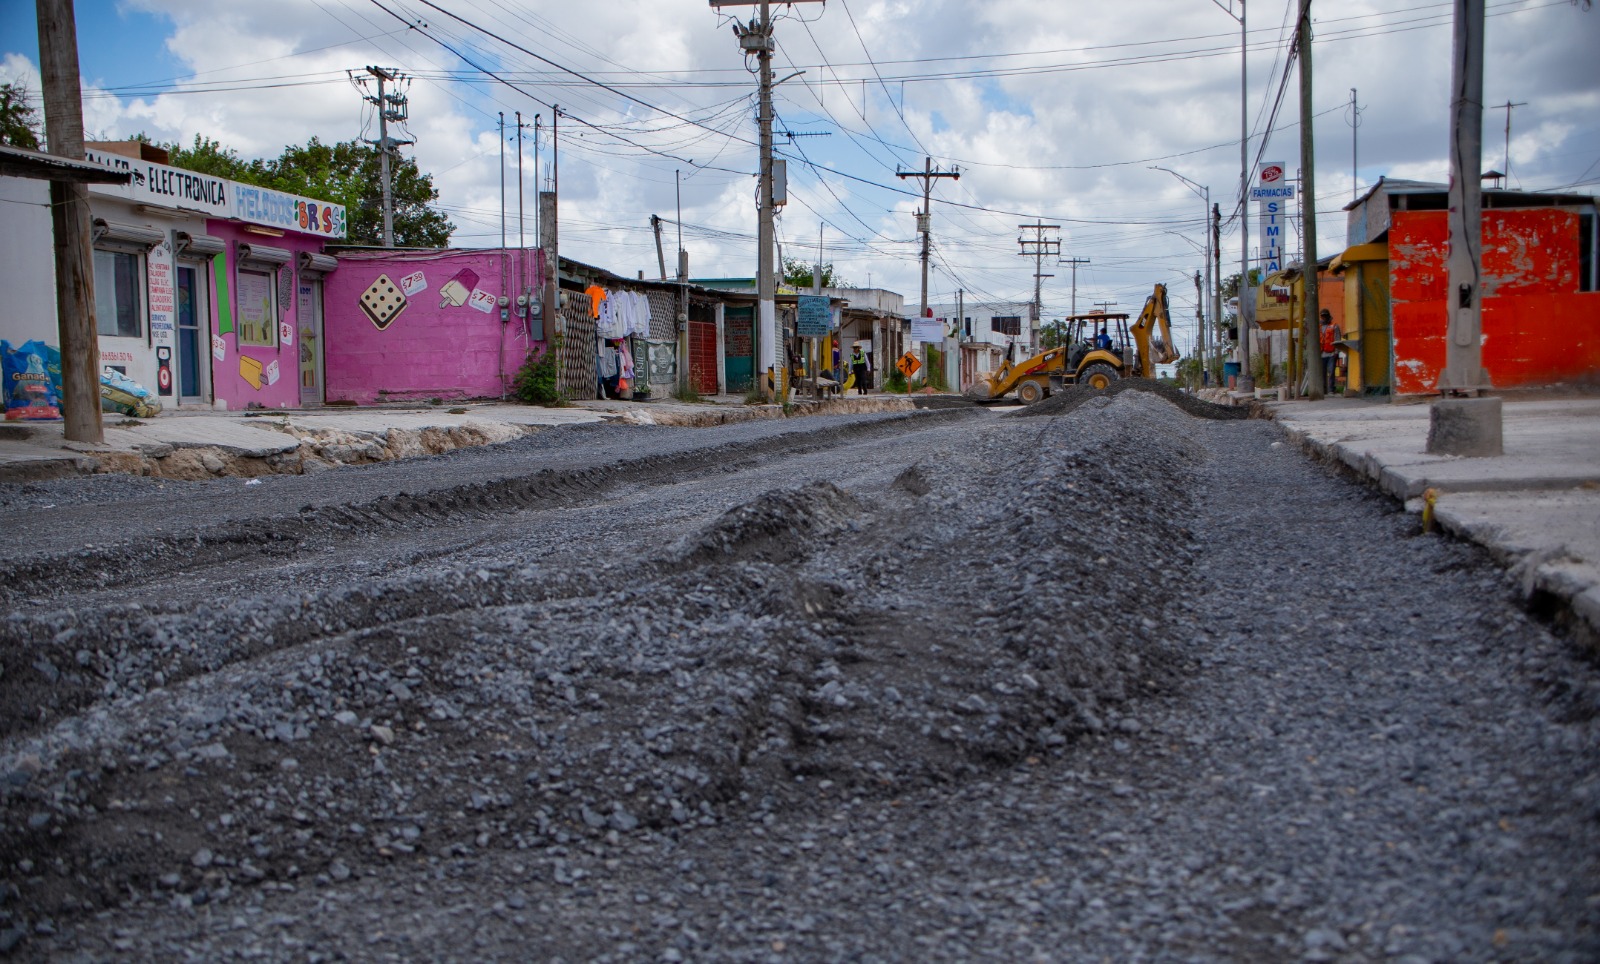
[1111, 683]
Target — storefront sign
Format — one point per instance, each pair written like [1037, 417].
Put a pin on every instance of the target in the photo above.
[1273, 185]
[167, 187]
[163, 294]
[1273, 219]
[289, 212]
[815, 319]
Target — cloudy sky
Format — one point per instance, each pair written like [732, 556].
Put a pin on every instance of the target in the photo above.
[1053, 110]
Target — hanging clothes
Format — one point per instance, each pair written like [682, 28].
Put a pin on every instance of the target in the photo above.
[609, 324]
[597, 297]
[626, 358]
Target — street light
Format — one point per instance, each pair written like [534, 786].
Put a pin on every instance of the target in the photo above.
[1246, 382]
[1204, 194]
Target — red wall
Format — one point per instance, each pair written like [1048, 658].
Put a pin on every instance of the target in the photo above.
[1538, 329]
[438, 346]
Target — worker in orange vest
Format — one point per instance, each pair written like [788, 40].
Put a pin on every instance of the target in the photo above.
[1330, 354]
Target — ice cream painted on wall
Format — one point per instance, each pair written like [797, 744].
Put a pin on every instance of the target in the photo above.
[384, 299]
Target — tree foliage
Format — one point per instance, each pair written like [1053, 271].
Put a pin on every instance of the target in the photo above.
[20, 123]
[797, 274]
[346, 173]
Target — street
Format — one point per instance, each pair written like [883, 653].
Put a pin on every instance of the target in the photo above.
[1110, 681]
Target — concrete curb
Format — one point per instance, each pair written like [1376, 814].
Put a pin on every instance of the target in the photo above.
[1508, 517]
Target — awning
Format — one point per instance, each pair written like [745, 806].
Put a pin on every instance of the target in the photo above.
[203, 245]
[314, 263]
[102, 231]
[1375, 251]
[262, 256]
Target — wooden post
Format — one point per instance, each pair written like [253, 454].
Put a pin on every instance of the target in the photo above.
[69, 217]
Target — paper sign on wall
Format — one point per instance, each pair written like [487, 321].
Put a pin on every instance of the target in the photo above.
[271, 372]
[414, 282]
[219, 348]
[286, 334]
[481, 300]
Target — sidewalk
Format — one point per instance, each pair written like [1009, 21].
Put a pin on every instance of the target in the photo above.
[1536, 508]
[200, 444]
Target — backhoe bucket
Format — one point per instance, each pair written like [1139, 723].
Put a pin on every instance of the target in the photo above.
[980, 391]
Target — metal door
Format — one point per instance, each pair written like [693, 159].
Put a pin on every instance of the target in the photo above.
[703, 356]
[738, 328]
[194, 329]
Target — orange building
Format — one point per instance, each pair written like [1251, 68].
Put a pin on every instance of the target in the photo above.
[1540, 287]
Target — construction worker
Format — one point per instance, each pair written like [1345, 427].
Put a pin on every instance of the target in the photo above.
[1330, 351]
[858, 365]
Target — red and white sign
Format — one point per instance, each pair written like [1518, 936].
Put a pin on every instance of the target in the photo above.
[1273, 186]
[1271, 173]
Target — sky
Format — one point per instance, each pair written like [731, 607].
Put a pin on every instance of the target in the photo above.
[1047, 110]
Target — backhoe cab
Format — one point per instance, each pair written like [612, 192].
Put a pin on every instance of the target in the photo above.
[1099, 349]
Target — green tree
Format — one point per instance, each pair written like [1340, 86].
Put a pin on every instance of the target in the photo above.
[347, 173]
[797, 275]
[20, 124]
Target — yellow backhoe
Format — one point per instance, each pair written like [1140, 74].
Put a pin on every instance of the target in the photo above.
[1099, 349]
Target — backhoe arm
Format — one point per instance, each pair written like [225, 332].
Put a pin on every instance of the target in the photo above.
[1161, 349]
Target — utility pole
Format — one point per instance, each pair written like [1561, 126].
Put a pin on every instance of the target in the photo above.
[925, 223]
[1508, 107]
[1246, 380]
[1310, 342]
[69, 220]
[1038, 246]
[1200, 318]
[393, 107]
[548, 239]
[661, 254]
[1074, 262]
[1471, 425]
[1103, 305]
[1355, 124]
[1204, 194]
[1216, 274]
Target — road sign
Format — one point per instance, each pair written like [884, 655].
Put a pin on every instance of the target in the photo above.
[908, 364]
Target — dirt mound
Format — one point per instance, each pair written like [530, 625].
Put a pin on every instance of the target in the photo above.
[1069, 398]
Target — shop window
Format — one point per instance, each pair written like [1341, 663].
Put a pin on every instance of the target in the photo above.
[118, 307]
[258, 309]
[1587, 281]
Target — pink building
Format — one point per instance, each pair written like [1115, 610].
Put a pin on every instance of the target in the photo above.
[428, 324]
[266, 333]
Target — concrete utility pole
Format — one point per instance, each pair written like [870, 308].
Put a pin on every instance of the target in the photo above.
[1310, 340]
[549, 239]
[1246, 380]
[1037, 247]
[925, 223]
[661, 254]
[69, 217]
[393, 106]
[1074, 262]
[756, 37]
[1355, 142]
[1465, 426]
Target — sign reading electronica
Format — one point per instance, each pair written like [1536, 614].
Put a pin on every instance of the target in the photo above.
[159, 185]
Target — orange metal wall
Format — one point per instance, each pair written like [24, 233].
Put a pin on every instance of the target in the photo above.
[1538, 328]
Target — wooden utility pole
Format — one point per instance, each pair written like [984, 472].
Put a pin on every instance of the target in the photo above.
[1310, 338]
[69, 217]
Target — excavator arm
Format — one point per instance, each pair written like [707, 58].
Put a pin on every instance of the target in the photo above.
[1152, 333]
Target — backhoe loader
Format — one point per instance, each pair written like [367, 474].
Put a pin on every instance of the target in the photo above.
[1091, 356]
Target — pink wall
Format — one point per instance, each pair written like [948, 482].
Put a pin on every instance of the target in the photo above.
[229, 384]
[440, 343]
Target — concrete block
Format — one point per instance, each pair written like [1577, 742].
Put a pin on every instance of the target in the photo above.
[1465, 426]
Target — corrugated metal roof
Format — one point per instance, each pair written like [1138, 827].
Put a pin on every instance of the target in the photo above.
[37, 165]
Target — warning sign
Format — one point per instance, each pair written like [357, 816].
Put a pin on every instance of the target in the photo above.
[908, 364]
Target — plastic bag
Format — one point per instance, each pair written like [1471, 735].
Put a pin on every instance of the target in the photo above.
[124, 396]
[32, 374]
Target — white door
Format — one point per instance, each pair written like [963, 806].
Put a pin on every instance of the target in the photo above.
[308, 316]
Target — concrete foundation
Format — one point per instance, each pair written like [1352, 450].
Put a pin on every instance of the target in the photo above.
[1465, 426]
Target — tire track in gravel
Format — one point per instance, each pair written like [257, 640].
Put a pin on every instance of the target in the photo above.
[61, 563]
